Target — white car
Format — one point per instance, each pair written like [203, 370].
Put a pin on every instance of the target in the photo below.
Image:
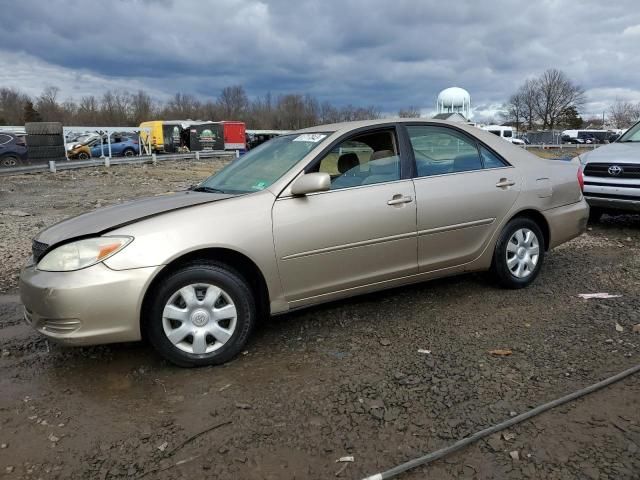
[506, 133]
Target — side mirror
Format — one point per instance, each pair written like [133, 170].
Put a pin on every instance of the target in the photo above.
[311, 183]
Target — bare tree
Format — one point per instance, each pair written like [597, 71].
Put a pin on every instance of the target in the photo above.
[291, 112]
[121, 108]
[555, 94]
[12, 105]
[623, 114]
[88, 111]
[141, 107]
[47, 104]
[515, 110]
[233, 102]
[30, 113]
[183, 106]
[328, 113]
[409, 112]
[261, 113]
[528, 93]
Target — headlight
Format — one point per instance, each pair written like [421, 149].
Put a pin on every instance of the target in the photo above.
[82, 254]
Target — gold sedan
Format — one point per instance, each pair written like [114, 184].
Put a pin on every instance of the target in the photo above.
[309, 217]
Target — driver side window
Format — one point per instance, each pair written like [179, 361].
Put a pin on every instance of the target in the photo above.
[364, 159]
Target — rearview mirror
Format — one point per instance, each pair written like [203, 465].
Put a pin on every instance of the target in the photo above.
[311, 183]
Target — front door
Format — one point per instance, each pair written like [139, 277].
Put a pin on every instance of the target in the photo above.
[360, 232]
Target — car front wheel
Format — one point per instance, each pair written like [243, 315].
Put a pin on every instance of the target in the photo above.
[201, 315]
[519, 253]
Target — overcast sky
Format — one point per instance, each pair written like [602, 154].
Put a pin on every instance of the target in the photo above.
[390, 54]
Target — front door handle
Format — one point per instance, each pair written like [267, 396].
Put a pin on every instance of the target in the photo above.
[504, 183]
[398, 199]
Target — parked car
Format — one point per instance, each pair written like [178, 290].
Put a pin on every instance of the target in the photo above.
[305, 218]
[120, 147]
[504, 132]
[13, 149]
[80, 149]
[612, 175]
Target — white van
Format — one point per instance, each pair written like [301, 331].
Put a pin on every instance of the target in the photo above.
[508, 133]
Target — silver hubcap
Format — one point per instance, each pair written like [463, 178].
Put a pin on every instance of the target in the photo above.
[199, 318]
[523, 251]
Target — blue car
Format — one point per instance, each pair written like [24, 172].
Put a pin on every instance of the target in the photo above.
[120, 146]
[13, 149]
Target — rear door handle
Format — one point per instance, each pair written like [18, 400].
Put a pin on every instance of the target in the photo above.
[398, 199]
[504, 183]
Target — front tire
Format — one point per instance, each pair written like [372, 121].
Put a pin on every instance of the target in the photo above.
[519, 254]
[202, 314]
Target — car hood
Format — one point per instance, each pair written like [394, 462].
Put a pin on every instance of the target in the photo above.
[614, 153]
[102, 220]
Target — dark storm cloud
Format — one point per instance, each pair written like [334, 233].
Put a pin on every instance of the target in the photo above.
[390, 54]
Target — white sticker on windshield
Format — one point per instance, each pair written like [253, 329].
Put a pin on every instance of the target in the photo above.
[309, 137]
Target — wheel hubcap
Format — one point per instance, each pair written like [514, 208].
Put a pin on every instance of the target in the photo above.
[199, 318]
[523, 252]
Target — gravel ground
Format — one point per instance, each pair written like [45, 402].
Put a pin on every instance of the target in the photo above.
[350, 378]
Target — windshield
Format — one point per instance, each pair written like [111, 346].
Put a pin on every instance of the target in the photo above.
[631, 135]
[260, 167]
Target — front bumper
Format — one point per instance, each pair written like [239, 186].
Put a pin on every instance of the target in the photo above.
[91, 306]
[613, 193]
[614, 203]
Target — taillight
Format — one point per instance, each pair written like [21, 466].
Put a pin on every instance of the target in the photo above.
[580, 178]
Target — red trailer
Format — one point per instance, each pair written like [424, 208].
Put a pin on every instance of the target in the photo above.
[234, 135]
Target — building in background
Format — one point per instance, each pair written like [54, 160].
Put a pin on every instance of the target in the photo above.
[454, 100]
[451, 117]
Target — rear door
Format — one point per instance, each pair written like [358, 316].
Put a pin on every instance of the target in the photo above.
[463, 191]
[361, 232]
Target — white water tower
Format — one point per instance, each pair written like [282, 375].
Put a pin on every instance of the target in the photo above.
[454, 100]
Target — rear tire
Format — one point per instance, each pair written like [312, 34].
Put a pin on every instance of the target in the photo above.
[519, 253]
[201, 314]
[9, 161]
[83, 156]
[128, 152]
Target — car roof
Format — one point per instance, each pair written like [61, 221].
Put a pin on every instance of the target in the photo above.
[353, 125]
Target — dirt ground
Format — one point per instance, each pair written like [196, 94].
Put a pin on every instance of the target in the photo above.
[343, 379]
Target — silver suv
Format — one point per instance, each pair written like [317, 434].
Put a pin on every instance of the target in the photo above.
[612, 175]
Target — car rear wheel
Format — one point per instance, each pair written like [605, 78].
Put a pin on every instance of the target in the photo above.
[201, 315]
[519, 253]
[128, 153]
[8, 161]
[83, 156]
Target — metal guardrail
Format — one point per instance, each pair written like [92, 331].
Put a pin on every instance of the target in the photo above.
[106, 162]
[562, 146]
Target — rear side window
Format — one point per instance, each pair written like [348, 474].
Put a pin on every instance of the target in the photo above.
[4, 139]
[490, 159]
[508, 133]
[440, 150]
